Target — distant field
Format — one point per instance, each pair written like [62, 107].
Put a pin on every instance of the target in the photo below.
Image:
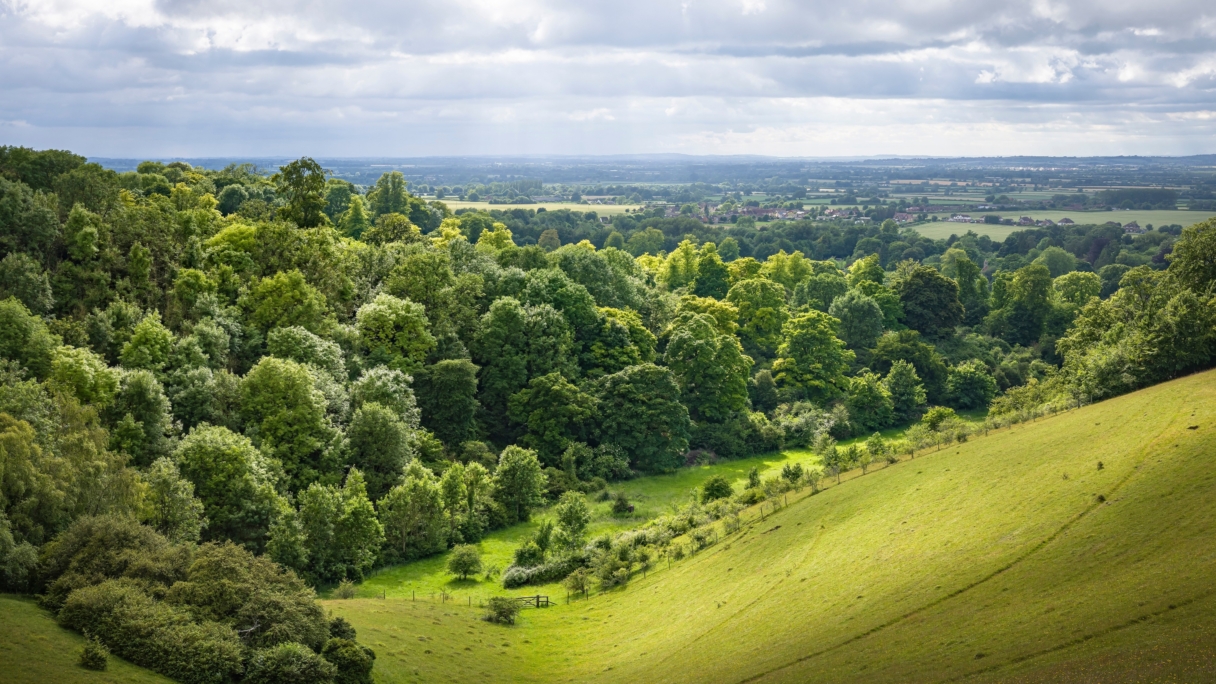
[1013, 557]
[35, 650]
[943, 229]
[601, 209]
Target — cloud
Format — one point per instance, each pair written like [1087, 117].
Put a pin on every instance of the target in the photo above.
[163, 77]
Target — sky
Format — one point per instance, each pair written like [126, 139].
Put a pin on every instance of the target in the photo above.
[160, 78]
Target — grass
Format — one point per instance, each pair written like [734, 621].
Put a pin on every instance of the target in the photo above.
[601, 209]
[34, 649]
[1164, 217]
[651, 496]
[993, 560]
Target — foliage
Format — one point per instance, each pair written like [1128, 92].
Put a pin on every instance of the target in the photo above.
[716, 487]
[94, 655]
[970, 385]
[930, 302]
[502, 610]
[811, 359]
[464, 560]
[640, 412]
[519, 483]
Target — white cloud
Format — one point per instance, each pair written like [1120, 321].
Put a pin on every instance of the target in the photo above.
[142, 77]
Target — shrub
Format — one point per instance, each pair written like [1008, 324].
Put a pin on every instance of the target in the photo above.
[94, 655]
[289, 663]
[346, 590]
[502, 610]
[339, 628]
[464, 561]
[517, 576]
[353, 661]
[715, 488]
[529, 554]
[750, 496]
[621, 505]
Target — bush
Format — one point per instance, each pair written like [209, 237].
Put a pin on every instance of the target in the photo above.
[289, 663]
[517, 576]
[353, 661]
[346, 590]
[339, 628]
[621, 505]
[750, 496]
[715, 488]
[529, 554]
[502, 610]
[94, 655]
[464, 561]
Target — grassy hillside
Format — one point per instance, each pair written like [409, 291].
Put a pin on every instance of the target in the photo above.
[1009, 558]
[33, 649]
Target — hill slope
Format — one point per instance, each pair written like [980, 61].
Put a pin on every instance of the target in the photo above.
[1012, 557]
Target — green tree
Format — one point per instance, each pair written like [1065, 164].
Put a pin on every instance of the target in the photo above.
[447, 396]
[811, 359]
[713, 280]
[286, 299]
[84, 375]
[860, 319]
[169, 505]
[149, 346]
[342, 533]
[763, 391]
[716, 487]
[1025, 308]
[389, 388]
[762, 314]
[1193, 259]
[394, 332]
[413, 516]
[389, 195]
[907, 393]
[380, 444]
[640, 412]
[23, 278]
[555, 413]
[930, 302]
[970, 385]
[573, 515]
[906, 345]
[141, 418]
[679, 269]
[519, 483]
[301, 184]
[819, 290]
[711, 368]
[234, 482]
[279, 400]
[868, 269]
[1078, 287]
[1057, 261]
[870, 403]
[24, 338]
[549, 240]
[464, 560]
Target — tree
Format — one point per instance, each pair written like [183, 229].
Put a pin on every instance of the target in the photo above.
[1025, 306]
[447, 397]
[716, 487]
[24, 338]
[84, 375]
[23, 278]
[713, 280]
[140, 415]
[286, 299]
[394, 332]
[1078, 287]
[169, 505]
[279, 400]
[555, 413]
[906, 345]
[389, 194]
[149, 345]
[761, 304]
[389, 388]
[1193, 259]
[501, 348]
[341, 531]
[380, 444]
[869, 401]
[233, 481]
[464, 560]
[640, 412]
[519, 483]
[573, 516]
[301, 184]
[907, 394]
[679, 269]
[819, 290]
[412, 515]
[787, 269]
[711, 368]
[868, 269]
[763, 391]
[930, 302]
[811, 359]
[860, 319]
[970, 385]
[28, 220]
[549, 240]
[1057, 261]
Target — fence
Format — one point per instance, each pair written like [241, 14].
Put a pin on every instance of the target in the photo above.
[534, 601]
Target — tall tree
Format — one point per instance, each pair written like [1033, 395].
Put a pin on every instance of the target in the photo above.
[640, 412]
[930, 302]
[301, 184]
[711, 368]
[811, 360]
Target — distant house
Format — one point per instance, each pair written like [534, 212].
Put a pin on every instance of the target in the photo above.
[961, 218]
[1132, 227]
[1066, 221]
[901, 217]
[1046, 223]
[1025, 221]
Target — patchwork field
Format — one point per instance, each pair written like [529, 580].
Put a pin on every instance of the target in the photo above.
[1014, 557]
[601, 209]
[941, 229]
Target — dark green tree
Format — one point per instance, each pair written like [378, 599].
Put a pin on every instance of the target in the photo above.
[640, 412]
[301, 184]
[930, 302]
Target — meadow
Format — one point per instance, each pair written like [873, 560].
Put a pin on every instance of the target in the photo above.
[601, 209]
[943, 229]
[1075, 548]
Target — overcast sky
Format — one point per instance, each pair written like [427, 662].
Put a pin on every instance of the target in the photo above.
[142, 78]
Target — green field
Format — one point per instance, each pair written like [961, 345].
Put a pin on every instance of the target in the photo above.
[34, 650]
[1013, 557]
[601, 209]
[940, 230]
